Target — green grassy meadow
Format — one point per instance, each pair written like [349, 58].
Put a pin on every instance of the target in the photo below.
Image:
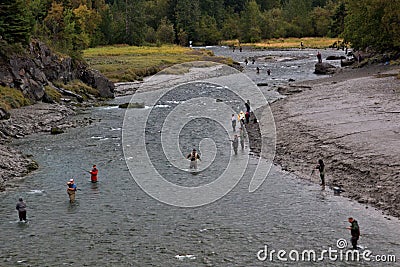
[128, 63]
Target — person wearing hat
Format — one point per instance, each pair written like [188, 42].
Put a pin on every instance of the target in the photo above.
[21, 207]
[71, 190]
[94, 173]
[193, 157]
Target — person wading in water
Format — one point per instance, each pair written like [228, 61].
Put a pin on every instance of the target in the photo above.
[93, 174]
[21, 207]
[235, 143]
[71, 190]
[193, 157]
[233, 122]
[242, 136]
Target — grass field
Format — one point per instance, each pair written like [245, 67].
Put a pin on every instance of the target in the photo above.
[283, 43]
[129, 63]
[122, 63]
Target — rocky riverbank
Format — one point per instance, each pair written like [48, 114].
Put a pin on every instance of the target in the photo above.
[351, 121]
[40, 117]
[34, 73]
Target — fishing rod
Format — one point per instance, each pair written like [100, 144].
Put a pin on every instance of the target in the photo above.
[85, 170]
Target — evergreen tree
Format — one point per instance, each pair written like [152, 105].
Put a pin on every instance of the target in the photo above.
[230, 29]
[251, 22]
[268, 4]
[187, 16]
[320, 18]
[207, 31]
[336, 27]
[366, 26]
[15, 21]
[165, 32]
[297, 14]
[236, 5]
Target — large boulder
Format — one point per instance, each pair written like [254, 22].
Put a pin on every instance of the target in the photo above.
[347, 62]
[324, 68]
[335, 57]
[96, 80]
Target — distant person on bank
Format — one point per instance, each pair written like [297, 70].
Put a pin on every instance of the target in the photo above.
[319, 57]
[321, 168]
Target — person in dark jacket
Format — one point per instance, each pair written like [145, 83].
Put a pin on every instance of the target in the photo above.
[321, 168]
[355, 232]
[21, 207]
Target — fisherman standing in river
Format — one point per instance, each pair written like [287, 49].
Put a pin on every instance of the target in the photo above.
[71, 190]
[233, 122]
[21, 207]
[242, 136]
[235, 143]
[193, 157]
[93, 174]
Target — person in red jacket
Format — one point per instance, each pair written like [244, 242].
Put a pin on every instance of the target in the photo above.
[94, 173]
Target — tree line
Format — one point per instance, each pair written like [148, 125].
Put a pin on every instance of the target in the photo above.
[73, 25]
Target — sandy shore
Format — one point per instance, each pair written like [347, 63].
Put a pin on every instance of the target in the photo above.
[352, 121]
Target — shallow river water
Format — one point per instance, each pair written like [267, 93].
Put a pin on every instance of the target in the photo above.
[115, 223]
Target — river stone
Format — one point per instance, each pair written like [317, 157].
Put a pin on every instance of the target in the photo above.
[96, 80]
[324, 68]
[56, 130]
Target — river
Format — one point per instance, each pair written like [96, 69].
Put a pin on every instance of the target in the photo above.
[116, 223]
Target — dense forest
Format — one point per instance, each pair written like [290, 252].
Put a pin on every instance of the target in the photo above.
[73, 25]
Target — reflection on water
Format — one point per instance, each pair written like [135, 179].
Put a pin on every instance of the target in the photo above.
[114, 223]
